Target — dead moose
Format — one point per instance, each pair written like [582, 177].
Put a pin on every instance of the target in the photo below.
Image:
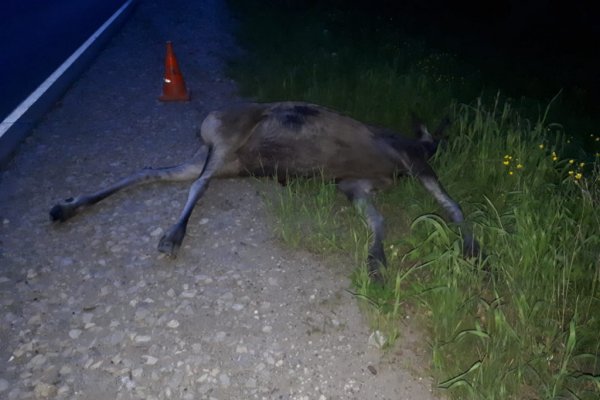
[299, 140]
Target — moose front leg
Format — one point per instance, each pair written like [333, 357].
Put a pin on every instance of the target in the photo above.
[359, 193]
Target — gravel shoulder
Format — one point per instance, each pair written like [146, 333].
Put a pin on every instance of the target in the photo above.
[90, 310]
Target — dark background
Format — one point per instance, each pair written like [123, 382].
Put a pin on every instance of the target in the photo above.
[528, 48]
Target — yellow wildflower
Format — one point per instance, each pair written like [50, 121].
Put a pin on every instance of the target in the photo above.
[519, 166]
[541, 145]
[510, 173]
[581, 165]
[506, 162]
[571, 173]
[578, 175]
[571, 161]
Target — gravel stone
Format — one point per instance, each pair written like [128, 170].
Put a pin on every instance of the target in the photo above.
[142, 339]
[224, 380]
[157, 232]
[44, 391]
[377, 340]
[151, 360]
[267, 329]
[75, 333]
[173, 323]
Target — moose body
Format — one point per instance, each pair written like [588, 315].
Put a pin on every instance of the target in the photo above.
[301, 140]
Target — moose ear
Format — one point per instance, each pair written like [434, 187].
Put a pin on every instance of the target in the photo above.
[420, 129]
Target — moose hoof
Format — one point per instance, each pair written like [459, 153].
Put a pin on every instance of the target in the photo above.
[168, 246]
[63, 211]
[375, 269]
[471, 248]
[171, 242]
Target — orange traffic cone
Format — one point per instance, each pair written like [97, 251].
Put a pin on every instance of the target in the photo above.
[173, 84]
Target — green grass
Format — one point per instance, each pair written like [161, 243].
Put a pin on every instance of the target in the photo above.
[524, 325]
[530, 325]
[311, 215]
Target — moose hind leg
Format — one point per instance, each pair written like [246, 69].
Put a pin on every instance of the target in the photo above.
[359, 193]
[187, 171]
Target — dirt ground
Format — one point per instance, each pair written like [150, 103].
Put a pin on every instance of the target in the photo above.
[90, 310]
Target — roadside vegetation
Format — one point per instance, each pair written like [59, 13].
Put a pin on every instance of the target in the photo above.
[526, 323]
